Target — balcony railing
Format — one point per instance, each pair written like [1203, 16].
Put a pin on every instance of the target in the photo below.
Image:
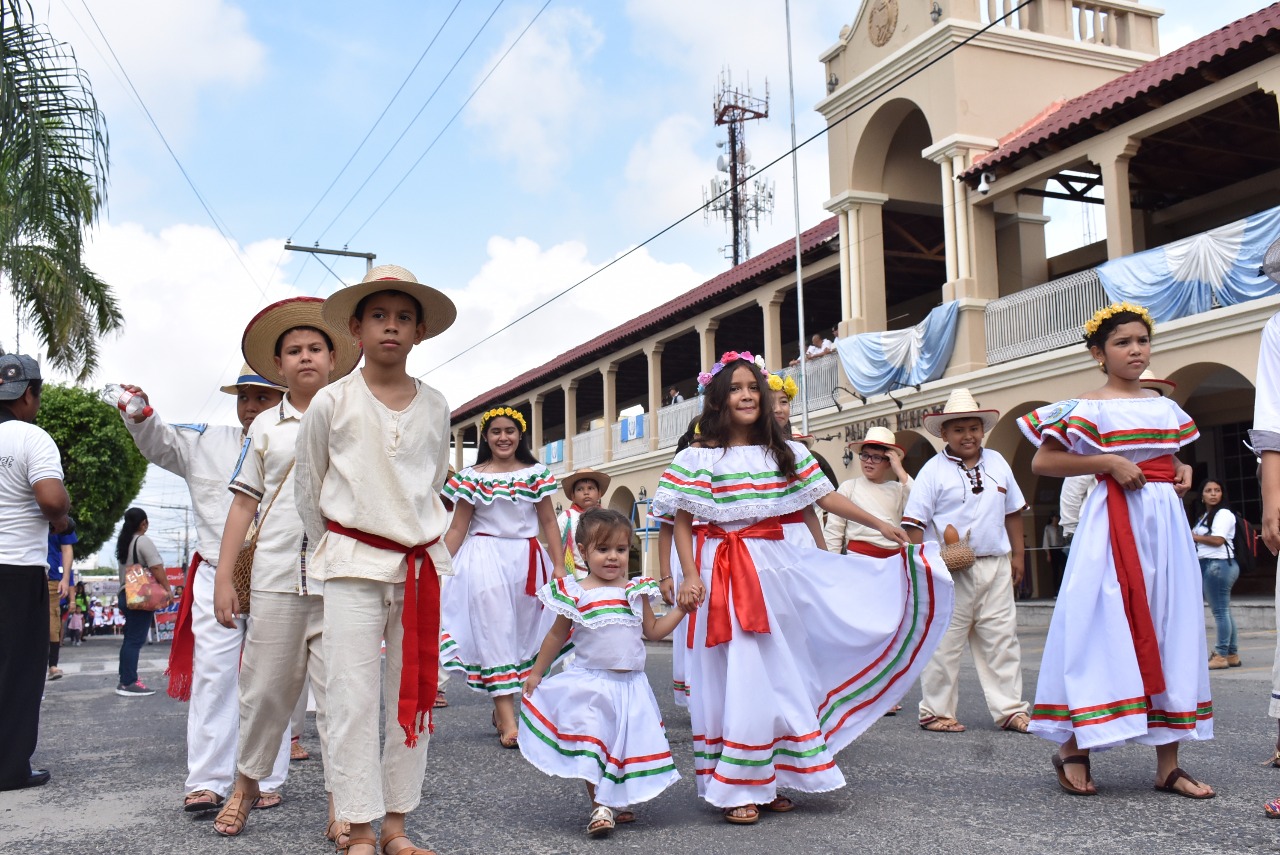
[822, 375]
[558, 468]
[588, 448]
[1042, 318]
[1113, 23]
[674, 420]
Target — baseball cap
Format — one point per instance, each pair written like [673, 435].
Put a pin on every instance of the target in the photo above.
[16, 373]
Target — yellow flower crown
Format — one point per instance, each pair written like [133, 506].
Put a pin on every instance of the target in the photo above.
[1091, 325]
[514, 415]
[785, 385]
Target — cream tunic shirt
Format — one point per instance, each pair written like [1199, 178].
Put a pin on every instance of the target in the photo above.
[373, 469]
[883, 501]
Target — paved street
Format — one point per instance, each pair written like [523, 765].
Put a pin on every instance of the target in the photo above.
[118, 766]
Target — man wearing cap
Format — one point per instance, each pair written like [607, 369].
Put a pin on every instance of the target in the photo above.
[584, 488]
[32, 499]
[968, 492]
[879, 456]
[204, 661]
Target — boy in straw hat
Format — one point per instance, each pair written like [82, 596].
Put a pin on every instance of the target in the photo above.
[289, 344]
[204, 660]
[584, 488]
[373, 455]
[970, 491]
[879, 457]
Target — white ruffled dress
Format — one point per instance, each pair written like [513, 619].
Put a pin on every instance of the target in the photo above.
[491, 626]
[772, 709]
[598, 719]
[1090, 685]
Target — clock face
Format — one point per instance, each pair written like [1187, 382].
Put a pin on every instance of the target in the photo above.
[882, 21]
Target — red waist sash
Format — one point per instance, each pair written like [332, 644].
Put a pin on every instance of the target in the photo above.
[183, 648]
[1133, 587]
[420, 619]
[531, 584]
[861, 547]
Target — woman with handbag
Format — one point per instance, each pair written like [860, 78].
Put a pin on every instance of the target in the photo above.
[140, 560]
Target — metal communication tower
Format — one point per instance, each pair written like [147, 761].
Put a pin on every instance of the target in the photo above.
[732, 198]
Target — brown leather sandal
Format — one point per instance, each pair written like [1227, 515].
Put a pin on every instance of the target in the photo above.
[1059, 766]
[201, 801]
[781, 804]
[408, 850]
[624, 815]
[748, 816]
[234, 813]
[359, 841]
[1176, 775]
[335, 835]
[941, 724]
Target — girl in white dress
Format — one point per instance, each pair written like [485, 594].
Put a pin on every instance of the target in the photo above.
[1125, 658]
[787, 662]
[492, 621]
[598, 719]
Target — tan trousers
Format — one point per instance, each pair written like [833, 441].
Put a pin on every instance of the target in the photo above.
[367, 782]
[55, 615]
[985, 616]
[284, 642]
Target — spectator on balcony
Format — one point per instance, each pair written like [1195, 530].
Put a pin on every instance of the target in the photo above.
[585, 490]
[673, 397]
[818, 347]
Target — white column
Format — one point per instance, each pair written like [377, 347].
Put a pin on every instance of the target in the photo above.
[610, 375]
[958, 166]
[653, 353]
[535, 424]
[949, 216]
[846, 298]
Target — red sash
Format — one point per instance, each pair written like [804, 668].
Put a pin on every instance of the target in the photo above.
[531, 584]
[421, 621]
[183, 649]
[1133, 588]
[861, 547]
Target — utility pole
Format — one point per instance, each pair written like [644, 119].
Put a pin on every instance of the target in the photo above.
[186, 532]
[317, 250]
[730, 197]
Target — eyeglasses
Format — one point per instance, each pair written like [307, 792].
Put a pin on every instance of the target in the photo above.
[867, 457]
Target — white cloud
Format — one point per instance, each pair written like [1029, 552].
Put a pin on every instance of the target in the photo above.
[536, 108]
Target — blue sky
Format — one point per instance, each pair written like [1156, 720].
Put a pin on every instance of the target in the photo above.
[593, 134]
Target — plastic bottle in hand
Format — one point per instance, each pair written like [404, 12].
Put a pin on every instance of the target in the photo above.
[127, 402]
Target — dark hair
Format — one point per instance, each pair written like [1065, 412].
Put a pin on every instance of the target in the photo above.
[874, 446]
[36, 387]
[358, 311]
[484, 453]
[1098, 338]
[1203, 509]
[689, 437]
[765, 431]
[597, 524]
[133, 520]
[280, 340]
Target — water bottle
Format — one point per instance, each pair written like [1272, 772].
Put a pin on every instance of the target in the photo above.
[127, 402]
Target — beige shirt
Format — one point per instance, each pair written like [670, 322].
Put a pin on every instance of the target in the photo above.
[883, 501]
[264, 472]
[373, 469]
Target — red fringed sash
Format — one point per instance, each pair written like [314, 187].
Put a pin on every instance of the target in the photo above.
[421, 621]
[1133, 588]
[861, 547]
[182, 651]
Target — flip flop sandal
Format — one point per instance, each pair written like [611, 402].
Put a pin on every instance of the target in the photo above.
[201, 801]
[751, 814]
[624, 815]
[1059, 766]
[941, 724]
[234, 813]
[781, 804]
[601, 822]
[408, 850]
[298, 752]
[267, 800]
[894, 710]
[1176, 775]
[1274, 761]
[440, 702]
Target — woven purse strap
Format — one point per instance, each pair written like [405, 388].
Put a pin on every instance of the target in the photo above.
[263, 519]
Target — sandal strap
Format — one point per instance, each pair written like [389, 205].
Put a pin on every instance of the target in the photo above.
[1079, 759]
[1178, 775]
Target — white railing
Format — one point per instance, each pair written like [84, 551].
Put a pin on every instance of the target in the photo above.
[1042, 318]
[1112, 23]
[674, 420]
[631, 447]
[822, 375]
[558, 468]
[588, 448]
[996, 9]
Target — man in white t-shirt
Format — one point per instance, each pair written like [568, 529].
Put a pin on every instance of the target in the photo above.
[32, 498]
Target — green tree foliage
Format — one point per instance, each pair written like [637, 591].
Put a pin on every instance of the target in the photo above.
[102, 466]
[53, 171]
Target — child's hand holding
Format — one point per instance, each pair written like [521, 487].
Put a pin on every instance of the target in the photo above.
[691, 593]
[530, 683]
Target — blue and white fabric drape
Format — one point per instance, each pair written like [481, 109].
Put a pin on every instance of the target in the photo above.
[1184, 277]
[880, 361]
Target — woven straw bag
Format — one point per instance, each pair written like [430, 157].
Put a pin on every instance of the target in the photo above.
[956, 552]
[242, 572]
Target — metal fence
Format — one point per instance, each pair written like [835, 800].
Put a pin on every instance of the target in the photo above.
[822, 375]
[1042, 318]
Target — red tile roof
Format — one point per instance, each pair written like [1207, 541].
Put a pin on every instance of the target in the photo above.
[689, 303]
[1175, 66]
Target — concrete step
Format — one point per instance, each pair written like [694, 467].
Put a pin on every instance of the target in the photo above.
[1250, 613]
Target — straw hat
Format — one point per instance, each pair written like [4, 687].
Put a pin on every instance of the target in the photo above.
[249, 378]
[960, 405]
[262, 333]
[438, 311]
[805, 439]
[1149, 380]
[878, 436]
[584, 474]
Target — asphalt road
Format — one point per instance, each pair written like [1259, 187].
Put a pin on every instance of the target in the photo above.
[118, 766]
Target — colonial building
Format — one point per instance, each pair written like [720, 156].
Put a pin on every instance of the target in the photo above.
[956, 136]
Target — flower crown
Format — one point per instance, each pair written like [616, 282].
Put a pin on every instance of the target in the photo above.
[514, 415]
[786, 385]
[705, 378]
[1091, 325]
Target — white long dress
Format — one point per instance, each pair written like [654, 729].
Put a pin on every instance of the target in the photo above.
[771, 707]
[1090, 682]
[492, 622]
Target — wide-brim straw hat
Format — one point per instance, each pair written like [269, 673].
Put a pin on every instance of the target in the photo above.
[249, 378]
[438, 311]
[262, 333]
[960, 405]
[877, 436]
[571, 480]
[1149, 380]
[805, 439]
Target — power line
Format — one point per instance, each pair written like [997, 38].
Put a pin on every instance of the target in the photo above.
[816, 135]
[452, 119]
[381, 116]
[414, 120]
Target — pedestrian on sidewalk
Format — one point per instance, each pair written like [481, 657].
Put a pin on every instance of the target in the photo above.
[1214, 532]
[134, 547]
[60, 557]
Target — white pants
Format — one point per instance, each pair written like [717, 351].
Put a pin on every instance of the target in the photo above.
[985, 616]
[285, 642]
[213, 716]
[366, 785]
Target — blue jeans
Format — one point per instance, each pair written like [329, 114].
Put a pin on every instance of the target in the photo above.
[1219, 574]
[137, 623]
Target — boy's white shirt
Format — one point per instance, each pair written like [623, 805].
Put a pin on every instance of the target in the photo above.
[375, 470]
[942, 495]
[884, 501]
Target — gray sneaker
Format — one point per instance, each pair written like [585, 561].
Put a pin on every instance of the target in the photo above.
[134, 690]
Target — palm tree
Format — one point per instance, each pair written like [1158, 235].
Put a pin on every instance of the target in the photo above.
[53, 172]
